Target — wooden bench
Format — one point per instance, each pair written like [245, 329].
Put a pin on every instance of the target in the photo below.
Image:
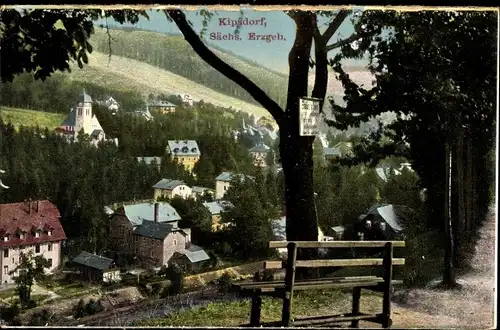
[285, 289]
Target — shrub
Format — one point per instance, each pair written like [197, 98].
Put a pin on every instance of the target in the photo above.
[10, 314]
[175, 274]
[79, 309]
[40, 318]
[224, 283]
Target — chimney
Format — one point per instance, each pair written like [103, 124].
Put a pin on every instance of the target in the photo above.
[157, 205]
[29, 206]
[37, 205]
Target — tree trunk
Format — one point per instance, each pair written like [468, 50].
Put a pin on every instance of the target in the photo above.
[295, 150]
[448, 271]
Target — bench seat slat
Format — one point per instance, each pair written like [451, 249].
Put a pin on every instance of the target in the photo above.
[334, 263]
[305, 282]
[316, 320]
[336, 244]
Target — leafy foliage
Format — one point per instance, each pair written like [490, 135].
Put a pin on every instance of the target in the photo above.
[31, 268]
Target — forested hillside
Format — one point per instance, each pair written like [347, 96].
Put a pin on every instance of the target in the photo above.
[172, 53]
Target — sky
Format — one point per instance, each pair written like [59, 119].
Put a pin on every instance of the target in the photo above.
[273, 54]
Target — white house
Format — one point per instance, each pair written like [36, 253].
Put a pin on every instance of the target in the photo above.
[186, 98]
[171, 188]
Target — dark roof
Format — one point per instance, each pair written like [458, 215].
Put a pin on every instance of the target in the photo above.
[93, 261]
[228, 176]
[261, 147]
[162, 104]
[70, 119]
[168, 184]
[156, 230]
[15, 218]
[96, 132]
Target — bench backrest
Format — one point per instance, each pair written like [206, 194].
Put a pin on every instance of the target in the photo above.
[293, 246]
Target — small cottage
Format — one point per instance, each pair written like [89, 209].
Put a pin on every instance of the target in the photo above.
[216, 209]
[163, 107]
[192, 259]
[95, 268]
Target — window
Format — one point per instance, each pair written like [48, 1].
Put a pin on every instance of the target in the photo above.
[6, 253]
[6, 270]
[225, 187]
[175, 242]
[37, 234]
[152, 254]
[50, 263]
[79, 111]
[49, 232]
[6, 238]
[21, 236]
[50, 247]
[13, 260]
[37, 248]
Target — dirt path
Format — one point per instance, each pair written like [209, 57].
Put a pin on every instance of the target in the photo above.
[471, 307]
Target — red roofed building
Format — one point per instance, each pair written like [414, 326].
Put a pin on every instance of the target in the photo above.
[29, 226]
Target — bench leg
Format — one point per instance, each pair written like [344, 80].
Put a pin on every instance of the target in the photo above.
[255, 312]
[356, 295]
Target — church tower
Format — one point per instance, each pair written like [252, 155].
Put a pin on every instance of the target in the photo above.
[83, 115]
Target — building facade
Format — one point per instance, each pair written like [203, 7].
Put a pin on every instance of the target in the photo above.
[150, 232]
[32, 226]
[162, 107]
[81, 119]
[223, 182]
[184, 152]
[259, 154]
[216, 209]
[171, 188]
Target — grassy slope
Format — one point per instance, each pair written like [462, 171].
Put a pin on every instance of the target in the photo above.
[180, 55]
[18, 117]
[124, 73]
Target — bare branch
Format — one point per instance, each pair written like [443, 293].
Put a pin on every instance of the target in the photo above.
[109, 40]
[335, 24]
[346, 41]
[213, 60]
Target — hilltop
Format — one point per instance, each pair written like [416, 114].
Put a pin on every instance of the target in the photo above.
[172, 53]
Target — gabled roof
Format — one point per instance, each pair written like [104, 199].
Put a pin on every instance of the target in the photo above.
[96, 132]
[217, 207]
[156, 230]
[200, 190]
[228, 176]
[183, 148]
[196, 254]
[168, 184]
[93, 261]
[15, 218]
[137, 213]
[70, 119]
[161, 104]
[261, 147]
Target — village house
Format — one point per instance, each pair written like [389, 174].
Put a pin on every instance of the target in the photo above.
[380, 222]
[259, 154]
[29, 226]
[151, 161]
[95, 268]
[185, 152]
[170, 188]
[187, 99]
[216, 209]
[110, 103]
[162, 107]
[197, 192]
[223, 182]
[81, 119]
[150, 232]
[193, 259]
